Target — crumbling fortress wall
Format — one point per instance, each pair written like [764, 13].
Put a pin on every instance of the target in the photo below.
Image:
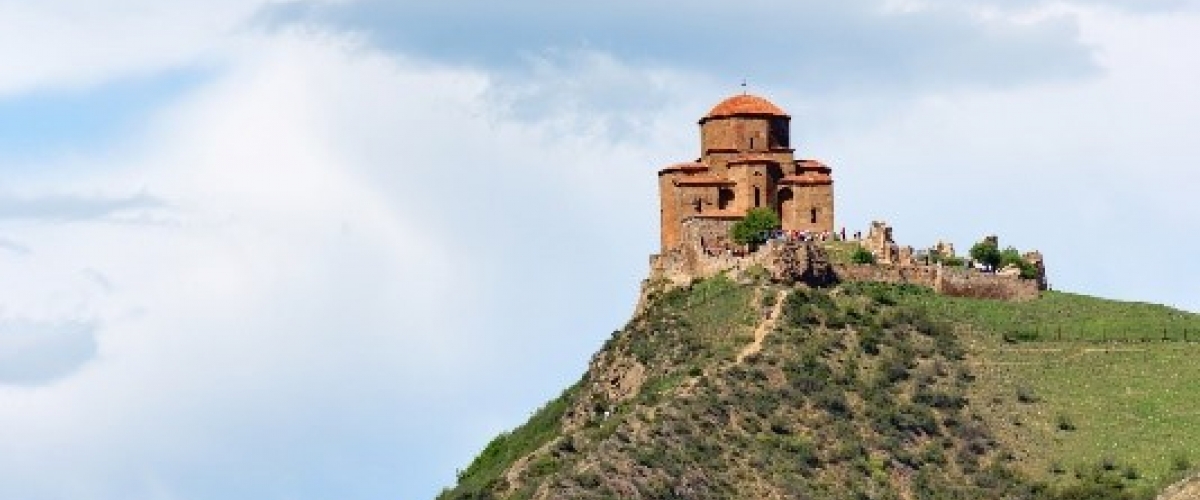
[707, 250]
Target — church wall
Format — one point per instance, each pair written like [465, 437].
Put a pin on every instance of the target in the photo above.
[668, 202]
[721, 134]
[748, 177]
[820, 198]
[735, 133]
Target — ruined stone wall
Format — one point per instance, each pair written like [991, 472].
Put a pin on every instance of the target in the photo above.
[958, 282]
[916, 275]
[706, 250]
[952, 281]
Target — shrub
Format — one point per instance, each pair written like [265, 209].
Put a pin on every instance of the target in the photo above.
[1130, 473]
[833, 401]
[1021, 336]
[939, 399]
[802, 449]
[1108, 463]
[1180, 462]
[954, 261]
[1026, 395]
[543, 465]
[1064, 423]
[871, 338]
[753, 228]
[862, 256]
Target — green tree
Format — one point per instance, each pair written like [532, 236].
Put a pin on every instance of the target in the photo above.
[1010, 256]
[987, 252]
[755, 226]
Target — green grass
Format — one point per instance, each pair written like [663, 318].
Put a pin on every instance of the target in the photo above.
[841, 252]
[486, 470]
[1135, 404]
[1065, 316]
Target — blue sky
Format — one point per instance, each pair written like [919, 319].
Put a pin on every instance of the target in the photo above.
[328, 249]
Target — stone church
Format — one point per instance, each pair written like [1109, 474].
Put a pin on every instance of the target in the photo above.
[746, 161]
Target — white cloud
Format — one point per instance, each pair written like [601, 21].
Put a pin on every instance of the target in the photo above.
[346, 246]
[60, 44]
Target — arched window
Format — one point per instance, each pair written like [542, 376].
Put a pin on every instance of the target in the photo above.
[786, 201]
[757, 197]
[699, 204]
[813, 215]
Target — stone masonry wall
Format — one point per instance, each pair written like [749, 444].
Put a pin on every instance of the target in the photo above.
[958, 282]
[917, 275]
[707, 250]
[952, 281]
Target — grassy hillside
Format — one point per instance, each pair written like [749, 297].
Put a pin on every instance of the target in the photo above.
[861, 391]
[1065, 407]
[1065, 316]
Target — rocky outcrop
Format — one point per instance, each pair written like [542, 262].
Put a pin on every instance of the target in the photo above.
[799, 262]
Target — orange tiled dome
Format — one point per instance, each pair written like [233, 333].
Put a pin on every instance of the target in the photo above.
[745, 104]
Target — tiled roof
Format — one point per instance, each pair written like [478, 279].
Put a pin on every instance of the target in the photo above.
[685, 167]
[812, 166]
[745, 104]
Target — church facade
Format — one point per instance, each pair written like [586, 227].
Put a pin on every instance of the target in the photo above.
[746, 161]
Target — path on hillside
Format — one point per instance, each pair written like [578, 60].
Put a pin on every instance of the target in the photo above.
[1188, 489]
[765, 326]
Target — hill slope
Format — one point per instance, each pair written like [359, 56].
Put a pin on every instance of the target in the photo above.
[728, 390]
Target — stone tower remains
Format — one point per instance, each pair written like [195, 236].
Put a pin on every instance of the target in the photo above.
[746, 161]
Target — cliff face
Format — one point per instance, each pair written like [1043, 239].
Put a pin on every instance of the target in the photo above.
[753, 390]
